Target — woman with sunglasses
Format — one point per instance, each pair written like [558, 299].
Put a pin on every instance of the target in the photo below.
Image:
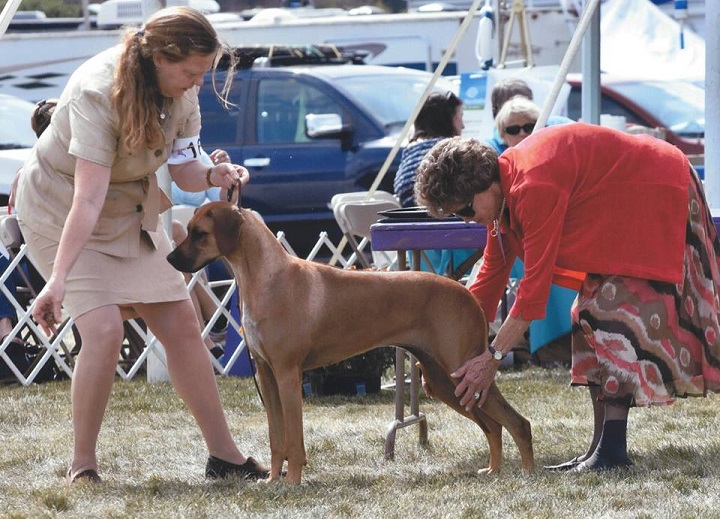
[630, 212]
[503, 91]
[516, 120]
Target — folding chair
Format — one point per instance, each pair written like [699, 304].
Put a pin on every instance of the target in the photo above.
[66, 343]
[354, 214]
[26, 329]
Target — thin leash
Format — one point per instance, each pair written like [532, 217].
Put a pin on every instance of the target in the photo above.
[230, 192]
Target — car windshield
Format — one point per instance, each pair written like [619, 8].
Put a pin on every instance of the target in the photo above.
[678, 105]
[391, 98]
[15, 130]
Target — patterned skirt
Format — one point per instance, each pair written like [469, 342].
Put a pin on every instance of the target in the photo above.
[647, 342]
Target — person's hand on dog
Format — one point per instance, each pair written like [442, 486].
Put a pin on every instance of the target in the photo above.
[476, 376]
[48, 305]
[478, 373]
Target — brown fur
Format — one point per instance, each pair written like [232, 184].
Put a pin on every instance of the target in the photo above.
[299, 315]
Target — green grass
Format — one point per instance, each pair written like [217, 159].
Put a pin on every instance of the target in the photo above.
[152, 458]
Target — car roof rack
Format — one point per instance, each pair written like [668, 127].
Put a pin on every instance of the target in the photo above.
[285, 55]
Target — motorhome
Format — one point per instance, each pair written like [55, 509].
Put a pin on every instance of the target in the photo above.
[36, 65]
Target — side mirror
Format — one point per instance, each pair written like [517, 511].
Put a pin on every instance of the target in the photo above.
[328, 126]
[318, 126]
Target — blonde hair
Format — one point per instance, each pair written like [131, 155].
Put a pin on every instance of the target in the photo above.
[519, 105]
[176, 33]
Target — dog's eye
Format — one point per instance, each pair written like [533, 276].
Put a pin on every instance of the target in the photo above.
[198, 235]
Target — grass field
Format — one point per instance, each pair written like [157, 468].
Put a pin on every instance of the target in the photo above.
[152, 458]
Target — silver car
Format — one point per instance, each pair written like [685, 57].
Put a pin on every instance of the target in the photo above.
[16, 139]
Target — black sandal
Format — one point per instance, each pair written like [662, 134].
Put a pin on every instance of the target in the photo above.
[221, 469]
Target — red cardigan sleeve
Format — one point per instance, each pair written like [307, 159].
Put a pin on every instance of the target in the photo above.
[540, 210]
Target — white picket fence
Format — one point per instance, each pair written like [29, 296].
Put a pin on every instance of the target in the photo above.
[62, 347]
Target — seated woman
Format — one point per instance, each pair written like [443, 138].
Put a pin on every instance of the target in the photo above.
[441, 116]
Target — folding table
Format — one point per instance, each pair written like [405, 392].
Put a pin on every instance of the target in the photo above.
[417, 235]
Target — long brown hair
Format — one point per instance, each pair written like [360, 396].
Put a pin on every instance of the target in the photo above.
[435, 118]
[176, 33]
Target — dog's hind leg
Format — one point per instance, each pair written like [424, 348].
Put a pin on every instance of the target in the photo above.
[443, 389]
[273, 408]
[497, 408]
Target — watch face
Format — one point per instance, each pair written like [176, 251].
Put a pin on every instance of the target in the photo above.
[498, 355]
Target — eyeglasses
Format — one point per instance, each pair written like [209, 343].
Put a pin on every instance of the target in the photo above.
[515, 128]
[465, 212]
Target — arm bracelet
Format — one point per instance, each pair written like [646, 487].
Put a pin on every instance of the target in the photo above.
[207, 176]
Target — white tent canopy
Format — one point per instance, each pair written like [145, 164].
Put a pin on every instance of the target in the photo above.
[640, 40]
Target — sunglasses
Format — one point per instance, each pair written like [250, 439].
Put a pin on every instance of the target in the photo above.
[515, 128]
[465, 212]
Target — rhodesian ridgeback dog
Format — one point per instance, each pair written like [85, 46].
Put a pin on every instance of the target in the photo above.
[299, 315]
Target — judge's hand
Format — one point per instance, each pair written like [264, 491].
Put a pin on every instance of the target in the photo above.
[476, 376]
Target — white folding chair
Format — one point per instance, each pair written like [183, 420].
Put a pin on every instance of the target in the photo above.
[25, 328]
[355, 213]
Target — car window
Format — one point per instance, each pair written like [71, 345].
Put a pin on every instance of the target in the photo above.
[678, 105]
[390, 98]
[608, 105]
[282, 107]
[15, 130]
[221, 124]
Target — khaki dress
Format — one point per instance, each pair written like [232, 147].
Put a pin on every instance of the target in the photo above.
[124, 261]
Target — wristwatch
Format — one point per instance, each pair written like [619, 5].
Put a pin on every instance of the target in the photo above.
[497, 354]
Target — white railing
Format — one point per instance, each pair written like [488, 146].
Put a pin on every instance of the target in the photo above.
[139, 342]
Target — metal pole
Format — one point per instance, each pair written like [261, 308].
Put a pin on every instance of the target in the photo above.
[573, 47]
[86, 14]
[712, 103]
[7, 13]
[590, 96]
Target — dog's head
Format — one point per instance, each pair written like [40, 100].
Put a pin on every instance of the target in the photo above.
[213, 231]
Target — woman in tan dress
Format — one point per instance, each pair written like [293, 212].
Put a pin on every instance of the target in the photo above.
[88, 206]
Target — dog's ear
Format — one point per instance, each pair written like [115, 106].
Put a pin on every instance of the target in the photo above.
[227, 229]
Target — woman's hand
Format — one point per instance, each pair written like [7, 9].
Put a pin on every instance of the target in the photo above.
[477, 375]
[237, 174]
[48, 305]
[219, 156]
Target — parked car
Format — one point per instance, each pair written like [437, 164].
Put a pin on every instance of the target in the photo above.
[16, 139]
[307, 132]
[677, 106]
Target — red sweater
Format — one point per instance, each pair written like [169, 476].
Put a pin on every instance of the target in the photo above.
[588, 199]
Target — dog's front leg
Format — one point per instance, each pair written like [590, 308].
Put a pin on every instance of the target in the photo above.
[273, 408]
[290, 383]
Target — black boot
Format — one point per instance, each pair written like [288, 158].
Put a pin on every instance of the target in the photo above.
[611, 452]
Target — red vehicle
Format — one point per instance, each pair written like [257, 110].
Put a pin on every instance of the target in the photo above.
[677, 106]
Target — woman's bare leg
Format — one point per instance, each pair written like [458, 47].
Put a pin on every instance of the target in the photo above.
[598, 420]
[175, 326]
[101, 331]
